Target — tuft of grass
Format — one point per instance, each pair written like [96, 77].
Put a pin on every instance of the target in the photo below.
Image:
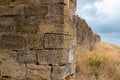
[94, 61]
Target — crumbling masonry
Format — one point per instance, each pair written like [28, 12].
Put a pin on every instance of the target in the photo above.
[38, 39]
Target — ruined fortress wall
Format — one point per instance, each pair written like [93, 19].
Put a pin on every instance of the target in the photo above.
[37, 40]
[86, 38]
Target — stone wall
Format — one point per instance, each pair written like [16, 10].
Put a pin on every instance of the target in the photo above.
[86, 38]
[37, 40]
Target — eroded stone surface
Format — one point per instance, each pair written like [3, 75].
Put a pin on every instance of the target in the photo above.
[61, 72]
[34, 41]
[53, 57]
[39, 39]
[38, 72]
[54, 41]
[12, 42]
[28, 56]
[10, 68]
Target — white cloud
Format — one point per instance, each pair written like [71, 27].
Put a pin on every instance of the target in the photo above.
[108, 8]
[86, 7]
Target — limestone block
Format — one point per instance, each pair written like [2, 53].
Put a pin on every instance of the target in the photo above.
[67, 18]
[38, 72]
[22, 9]
[12, 42]
[51, 28]
[36, 10]
[54, 57]
[7, 24]
[56, 9]
[7, 21]
[16, 2]
[4, 2]
[26, 20]
[54, 41]
[12, 11]
[11, 2]
[52, 1]
[27, 57]
[8, 79]
[27, 29]
[69, 42]
[58, 28]
[50, 20]
[10, 68]
[61, 72]
[34, 41]
[59, 41]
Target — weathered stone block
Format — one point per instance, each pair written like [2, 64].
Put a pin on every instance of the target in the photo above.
[13, 70]
[38, 72]
[22, 9]
[58, 73]
[43, 41]
[54, 57]
[51, 28]
[54, 41]
[6, 28]
[56, 9]
[63, 71]
[7, 24]
[12, 11]
[8, 79]
[26, 20]
[3, 2]
[11, 2]
[36, 10]
[18, 2]
[59, 41]
[7, 21]
[27, 29]
[10, 68]
[27, 57]
[52, 1]
[12, 42]
[58, 28]
[34, 41]
[69, 42]
[50, 20]
[60, 9]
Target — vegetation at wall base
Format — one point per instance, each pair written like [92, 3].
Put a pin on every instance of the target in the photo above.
[101, 63]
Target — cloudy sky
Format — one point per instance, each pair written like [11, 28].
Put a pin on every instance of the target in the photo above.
[103, 16]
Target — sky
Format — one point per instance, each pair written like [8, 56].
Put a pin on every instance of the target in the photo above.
[103, 16]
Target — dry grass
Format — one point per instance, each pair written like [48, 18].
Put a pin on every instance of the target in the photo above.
[102, 63]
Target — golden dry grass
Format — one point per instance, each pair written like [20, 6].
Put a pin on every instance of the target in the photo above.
[102, 63]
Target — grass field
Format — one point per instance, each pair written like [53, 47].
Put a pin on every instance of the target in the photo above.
[102, 62]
